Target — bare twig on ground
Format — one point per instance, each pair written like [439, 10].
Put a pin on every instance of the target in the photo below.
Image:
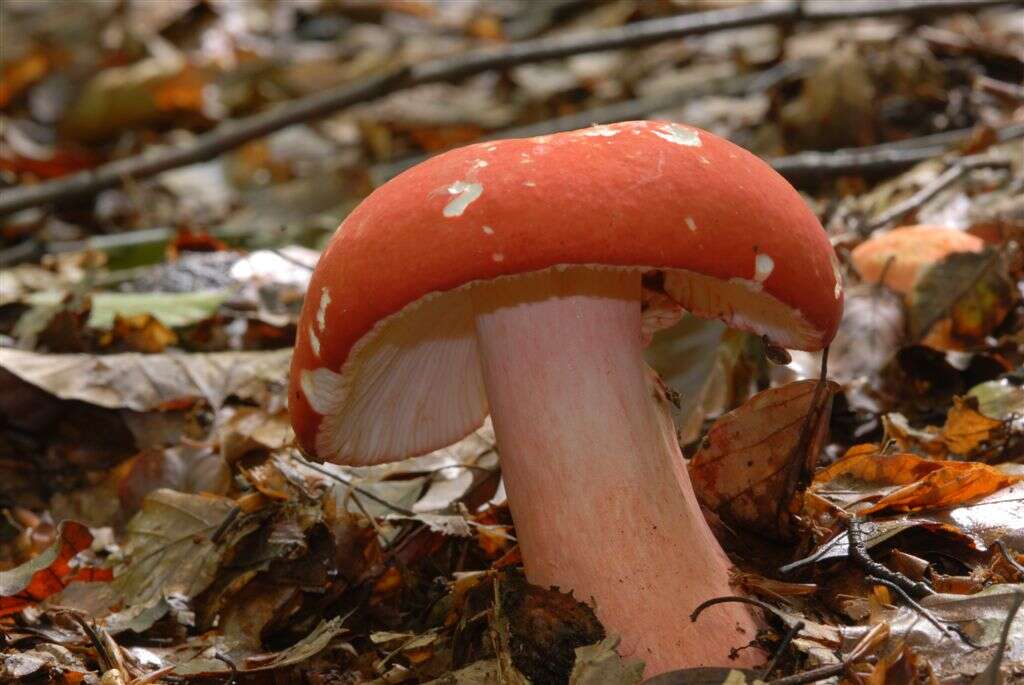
[859, 554]
[808, 167]
[637, 108]
[954, 172]
[234, 133]
[780, 650]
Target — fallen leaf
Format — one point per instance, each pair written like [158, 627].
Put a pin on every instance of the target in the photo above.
[955, 303]
[600, 664]
[169, 557]
[50, 571]
[145, 382]
[954, 483]
[981, 617]
[967, 431]
[754, 458]
[171, 309]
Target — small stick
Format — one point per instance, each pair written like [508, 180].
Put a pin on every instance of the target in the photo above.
[233, 678]
[786, 639]
[232, 134]
[1009, 557]
[924, 613]
[947, 178]
[728, 598]
[859, 553]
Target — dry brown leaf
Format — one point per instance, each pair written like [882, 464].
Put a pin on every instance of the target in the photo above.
[145, 382]
[753, 458]
[958, 301]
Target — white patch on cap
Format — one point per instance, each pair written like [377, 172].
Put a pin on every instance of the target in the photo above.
[478, 164]
[465, 193]
[526, 159]
[488, 230]
[321, 312]
[529, 184]
[837, 273]
[703, 159]
[498, 257]
[601, 131]
[763, 267]
[314, 342]
[323, 390]
[679, 135]
[492, 148]
[691, 224]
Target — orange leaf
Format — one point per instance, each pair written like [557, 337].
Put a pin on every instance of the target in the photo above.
[967, 429]
[863, 462]
[954, 482]
[49, 572]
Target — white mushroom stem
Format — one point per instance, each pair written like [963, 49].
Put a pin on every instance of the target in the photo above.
[596, 483]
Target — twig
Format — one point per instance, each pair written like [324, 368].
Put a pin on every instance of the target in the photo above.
[637, 108]
[990, 676]
[1010, 557]
[859, 554]
[695, 614]
[222, 529]
[234, 133]
[808, 167]
[227, 136]
[362, 491]
[851, 9]
[956, 170]
[233, 678]
[783, 644]
[812, 675]
[924, 613]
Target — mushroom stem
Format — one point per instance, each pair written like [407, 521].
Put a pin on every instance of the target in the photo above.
[597, 486]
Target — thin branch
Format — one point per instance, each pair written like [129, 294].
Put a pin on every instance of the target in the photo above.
[227, 136]
[859, 554]
[807, 167]
[232, 134]
[695, 614]
[781, 649]
[1010, 558]
[951, 175]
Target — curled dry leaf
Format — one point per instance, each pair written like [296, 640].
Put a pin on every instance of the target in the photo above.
[925, 484]
[754, 458]
[50, 571]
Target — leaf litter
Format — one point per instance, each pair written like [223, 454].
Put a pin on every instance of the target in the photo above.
[158, 522]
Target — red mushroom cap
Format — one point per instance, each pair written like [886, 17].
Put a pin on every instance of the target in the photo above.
[385, 363]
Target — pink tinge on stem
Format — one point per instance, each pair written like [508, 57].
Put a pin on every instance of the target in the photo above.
[597, 485]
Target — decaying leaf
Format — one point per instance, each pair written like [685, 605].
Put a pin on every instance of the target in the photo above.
[922, 483]
[146, 382]
[600, 664]
[960, 300]
[170, 556]
[981, 617]
[754, 458]
[49, 572]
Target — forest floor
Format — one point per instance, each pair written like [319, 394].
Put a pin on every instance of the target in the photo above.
[169, 171]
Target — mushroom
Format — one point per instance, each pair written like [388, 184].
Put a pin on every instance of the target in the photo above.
[902, 254]
[507, 278]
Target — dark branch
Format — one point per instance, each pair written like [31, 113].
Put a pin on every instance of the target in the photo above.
[232, 134]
